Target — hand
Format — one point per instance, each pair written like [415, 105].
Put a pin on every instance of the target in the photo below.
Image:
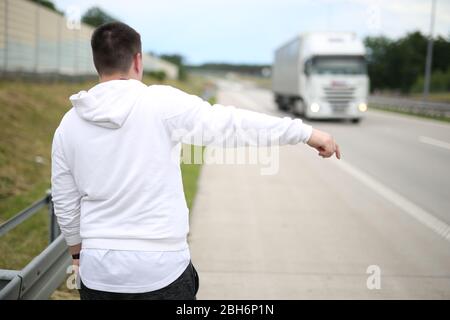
[324, 143]
[75, 250]
[76, 262]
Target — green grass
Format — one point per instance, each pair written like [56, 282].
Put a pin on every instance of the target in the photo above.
[190, 173]
[30, 113]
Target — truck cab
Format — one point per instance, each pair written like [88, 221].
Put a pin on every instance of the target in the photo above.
[322, 76]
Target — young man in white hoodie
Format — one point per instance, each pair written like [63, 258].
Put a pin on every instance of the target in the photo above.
[117, 190]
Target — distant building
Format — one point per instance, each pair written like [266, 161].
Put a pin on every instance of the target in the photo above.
[37, 40]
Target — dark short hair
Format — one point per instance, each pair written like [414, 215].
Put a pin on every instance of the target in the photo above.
[114, 46]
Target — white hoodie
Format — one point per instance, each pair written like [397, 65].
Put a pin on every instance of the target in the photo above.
[115, 184]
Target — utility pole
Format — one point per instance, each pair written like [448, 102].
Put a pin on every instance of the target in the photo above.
[426, 85]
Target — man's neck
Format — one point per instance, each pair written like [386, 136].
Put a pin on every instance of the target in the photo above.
[106, 78]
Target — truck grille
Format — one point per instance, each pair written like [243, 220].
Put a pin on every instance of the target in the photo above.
[339, 98]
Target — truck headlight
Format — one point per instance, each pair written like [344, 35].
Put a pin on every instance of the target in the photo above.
[315, 107]
[362, 107]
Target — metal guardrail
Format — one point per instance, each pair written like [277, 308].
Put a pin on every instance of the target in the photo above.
[438, 109]
[44, 274]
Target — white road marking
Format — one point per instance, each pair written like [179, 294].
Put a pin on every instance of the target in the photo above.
[424, 217]
[418, 213]
[435, 142]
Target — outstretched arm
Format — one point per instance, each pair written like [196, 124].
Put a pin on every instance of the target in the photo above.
[192, 120]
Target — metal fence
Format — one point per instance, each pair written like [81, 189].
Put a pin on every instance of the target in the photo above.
[38, 41]
[45, 273]
[435, 109]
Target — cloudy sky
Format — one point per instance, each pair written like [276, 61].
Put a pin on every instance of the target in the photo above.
[248, 31]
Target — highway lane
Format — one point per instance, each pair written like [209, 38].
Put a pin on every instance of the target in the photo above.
[395, 149]
[313, 229]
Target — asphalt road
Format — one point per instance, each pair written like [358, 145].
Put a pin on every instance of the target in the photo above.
[318, 228]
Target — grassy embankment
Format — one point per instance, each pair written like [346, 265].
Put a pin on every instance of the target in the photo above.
[30, 113]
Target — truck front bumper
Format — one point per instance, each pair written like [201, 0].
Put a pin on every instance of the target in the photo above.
[326, 110]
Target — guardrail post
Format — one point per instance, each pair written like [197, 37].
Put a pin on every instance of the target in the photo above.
[6, 40]
[54, 231]
[43, 275]
[36, 40]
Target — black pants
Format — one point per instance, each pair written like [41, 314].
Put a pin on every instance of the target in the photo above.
[184, 288]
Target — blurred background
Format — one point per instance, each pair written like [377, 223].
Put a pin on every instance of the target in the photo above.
[374, 74]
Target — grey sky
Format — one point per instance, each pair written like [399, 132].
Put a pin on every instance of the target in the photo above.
[249, 30]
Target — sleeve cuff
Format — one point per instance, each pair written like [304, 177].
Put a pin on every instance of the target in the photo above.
[73, 240]
[306, 132]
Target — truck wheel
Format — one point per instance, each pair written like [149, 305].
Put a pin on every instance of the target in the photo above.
[281, 106]
[298, 108]
[280, 102]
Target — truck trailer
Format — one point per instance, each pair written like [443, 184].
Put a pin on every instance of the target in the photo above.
[322, 75]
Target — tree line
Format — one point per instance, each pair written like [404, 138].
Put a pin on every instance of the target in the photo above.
[399, 65]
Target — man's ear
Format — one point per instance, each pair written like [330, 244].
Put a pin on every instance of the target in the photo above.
[137, 62]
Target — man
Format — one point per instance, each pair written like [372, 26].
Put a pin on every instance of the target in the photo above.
[116, 189]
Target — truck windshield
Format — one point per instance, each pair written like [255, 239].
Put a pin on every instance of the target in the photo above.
[336, 65]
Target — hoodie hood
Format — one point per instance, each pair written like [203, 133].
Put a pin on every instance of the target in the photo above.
[108, 104]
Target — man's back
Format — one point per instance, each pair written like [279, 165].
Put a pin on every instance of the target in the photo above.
[122, 159]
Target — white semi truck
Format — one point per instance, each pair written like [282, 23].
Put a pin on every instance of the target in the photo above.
[322, 75]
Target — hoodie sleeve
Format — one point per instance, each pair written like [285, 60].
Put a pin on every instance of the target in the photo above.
[65, 195]
[192, 120]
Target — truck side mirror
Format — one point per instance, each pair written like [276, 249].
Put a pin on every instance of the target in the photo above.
[307, 67]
